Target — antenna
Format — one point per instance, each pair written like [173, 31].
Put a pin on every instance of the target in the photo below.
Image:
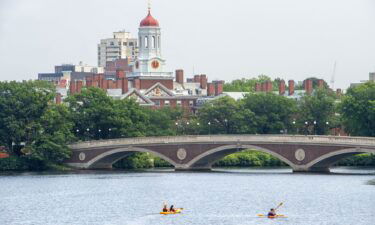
[333, 76]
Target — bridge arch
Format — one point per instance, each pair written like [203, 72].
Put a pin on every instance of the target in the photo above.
[327, 160]
[207, 159]
[107, 159]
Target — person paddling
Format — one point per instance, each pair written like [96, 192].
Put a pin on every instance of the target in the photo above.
[165, 208]
[172, 209]
[272, 212]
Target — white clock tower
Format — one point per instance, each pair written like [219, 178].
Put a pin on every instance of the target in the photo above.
[149, 62]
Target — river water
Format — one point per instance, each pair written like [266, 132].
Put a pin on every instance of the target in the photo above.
[221, 197]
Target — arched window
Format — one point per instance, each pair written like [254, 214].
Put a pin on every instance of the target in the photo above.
[146, 42]
[153, 42]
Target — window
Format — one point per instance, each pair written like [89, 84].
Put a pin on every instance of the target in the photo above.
[153, 42]
[179, 102]
[112, 43]
[125, 44]
[191, 103]
[131, 44]
[157, 102]
[146, 42]
[166, 103]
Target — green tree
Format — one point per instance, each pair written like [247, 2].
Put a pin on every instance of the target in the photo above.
[34, 130]
[50, 146]
[273, 113]
[225, 116]
[358, 110]
[318, 110]
[22, 104]
[162, 121]
[98, 116]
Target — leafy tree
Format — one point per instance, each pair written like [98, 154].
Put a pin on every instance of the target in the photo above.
[318, 110]
[358, 110]
[34, 130]
[273, 113]
[50, 146]
[22, 104]
[96, 116]
[161, 122]
[225, 116]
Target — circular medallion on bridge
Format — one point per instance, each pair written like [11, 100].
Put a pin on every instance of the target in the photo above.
[181, 154]
[82, 156]
[300, 154]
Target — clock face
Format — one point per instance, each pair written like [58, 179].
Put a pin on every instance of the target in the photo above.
[155, 64]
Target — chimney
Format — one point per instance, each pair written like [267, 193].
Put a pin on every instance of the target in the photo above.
[291, 87]
[282, 87]
[203, 81]
[120, 74]
[124, 85]
[308, 86]
[89, 83]
[79, 86]
[58, 98]
[210, 89]
[197, 79]
[320, 83]
[219, 85]
[263, 87]
[137, 84]
[119, 83]
[269, 86]
[258, 87]
[103, 84]
[72, 87]
[180, 76]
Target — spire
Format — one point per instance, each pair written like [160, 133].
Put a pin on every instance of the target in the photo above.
[149, 6]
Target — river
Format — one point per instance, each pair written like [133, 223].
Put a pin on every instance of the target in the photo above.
[221, 197]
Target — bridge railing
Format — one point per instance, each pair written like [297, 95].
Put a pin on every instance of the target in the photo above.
[334, 140]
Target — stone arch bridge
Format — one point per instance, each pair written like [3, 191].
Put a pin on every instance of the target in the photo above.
[301, 153]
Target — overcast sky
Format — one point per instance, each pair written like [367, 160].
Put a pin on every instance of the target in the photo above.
[225, 39]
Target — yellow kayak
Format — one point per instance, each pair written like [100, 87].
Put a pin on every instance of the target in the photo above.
[175, 212]
[271, 217]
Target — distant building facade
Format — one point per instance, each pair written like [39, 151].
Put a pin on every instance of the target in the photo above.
[140, 76]
[121, 46]
[371, 78]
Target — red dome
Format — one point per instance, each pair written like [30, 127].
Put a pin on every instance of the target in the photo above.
[149, 21]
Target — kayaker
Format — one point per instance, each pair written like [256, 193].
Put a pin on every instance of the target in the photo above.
[272, 212]
[172, 209]
[165, 208]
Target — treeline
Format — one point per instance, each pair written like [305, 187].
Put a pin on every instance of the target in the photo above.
[36, 132]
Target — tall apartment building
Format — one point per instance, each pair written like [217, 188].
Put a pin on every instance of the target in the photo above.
[372, 76]
[121, 46]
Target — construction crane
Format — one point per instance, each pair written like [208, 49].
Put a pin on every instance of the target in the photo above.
[333, 76]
